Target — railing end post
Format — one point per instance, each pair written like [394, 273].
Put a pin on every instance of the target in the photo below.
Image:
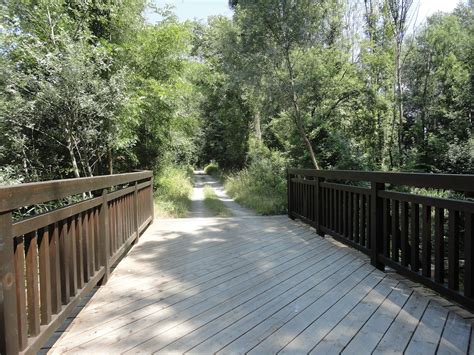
[289, 194]
[9, 339]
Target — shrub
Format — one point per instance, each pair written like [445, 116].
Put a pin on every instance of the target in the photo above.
[173, 189]
[261, 186]
[211, 169]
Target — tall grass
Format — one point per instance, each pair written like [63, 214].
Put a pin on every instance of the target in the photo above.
[212, 203]
[173, 190]
[263, 198]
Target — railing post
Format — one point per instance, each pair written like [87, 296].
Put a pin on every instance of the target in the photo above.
[135, 202]
[289, 191]
[376, 228]
[9, 342]
[104, 236]
[318, 206]
[152, 202]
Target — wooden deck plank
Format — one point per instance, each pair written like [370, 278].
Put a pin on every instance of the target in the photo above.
[307, 339]
[370, 334]
[426, 338]
[455, 338]
[280, 338]
[266, 327]
[183, 300]
[200, 309]
[398, 335]
[242, 266]
[223, 336]
[226, 325]
[337, 339]
[258, 285]
[198, 275]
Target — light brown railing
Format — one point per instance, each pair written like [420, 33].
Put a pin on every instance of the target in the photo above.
[49, 261]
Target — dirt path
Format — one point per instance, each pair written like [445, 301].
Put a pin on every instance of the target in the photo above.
[198, 209]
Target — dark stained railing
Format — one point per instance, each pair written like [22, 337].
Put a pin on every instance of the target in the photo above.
[428, 239]
[49, 261]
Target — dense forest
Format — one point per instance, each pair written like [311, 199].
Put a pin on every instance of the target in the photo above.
[91, 88]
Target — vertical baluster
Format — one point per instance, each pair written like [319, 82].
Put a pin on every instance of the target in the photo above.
[376, 224]
[90, 244]
[86, 248]
[350, 213]
[469, 255]
[289, 194]
[340, 199]
[363, 230]
[72, 256]
[55, 266]
[368, 229]
[395, 231]
[32, 283]
[404, 236]
[117, 223]
[426, 242]
[386, 227]
[439, 245]
[331, 208]
[103, 233]
[64, 251]
[120, 221]
[45, 276]
[356, 218]
[79, 252]
[112, 227]
[135, 207]
[415, 236]
[97, 240]
[453, 250]
[21, 292]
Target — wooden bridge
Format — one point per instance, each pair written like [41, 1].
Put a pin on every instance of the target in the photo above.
[240, 284]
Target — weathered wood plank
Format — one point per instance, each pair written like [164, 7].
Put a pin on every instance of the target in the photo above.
[428, 333]
[455, 339]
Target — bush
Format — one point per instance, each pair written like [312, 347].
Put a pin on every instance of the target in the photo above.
[173, 189]
[211, 169]
[262, 186]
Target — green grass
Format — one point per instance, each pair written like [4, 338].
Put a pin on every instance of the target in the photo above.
[212, 203]
[247, 191]
[173, 192]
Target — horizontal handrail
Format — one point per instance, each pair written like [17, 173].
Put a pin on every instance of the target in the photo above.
[428, 239]
[458, 182]
[16, 196]
[49, 261]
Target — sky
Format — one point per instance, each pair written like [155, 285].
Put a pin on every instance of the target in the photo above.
[201, 9]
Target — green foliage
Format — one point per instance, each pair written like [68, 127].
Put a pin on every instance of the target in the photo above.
[261, 186]
[173, 190]
[211, 169]
[212, 203]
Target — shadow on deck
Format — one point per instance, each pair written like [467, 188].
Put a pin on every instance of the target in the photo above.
[259, 285]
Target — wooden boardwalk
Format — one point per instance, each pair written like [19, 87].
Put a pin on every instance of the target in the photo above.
[260, 285]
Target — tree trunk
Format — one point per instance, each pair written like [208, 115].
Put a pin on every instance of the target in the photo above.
[258, 128]
[111, 160]
[297, 115]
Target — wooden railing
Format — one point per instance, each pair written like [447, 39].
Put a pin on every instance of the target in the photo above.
[427, 239]
[50, 260]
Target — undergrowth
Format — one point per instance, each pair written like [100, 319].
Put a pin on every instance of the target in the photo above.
[212, 203]
[173, 190]
[262, 185]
